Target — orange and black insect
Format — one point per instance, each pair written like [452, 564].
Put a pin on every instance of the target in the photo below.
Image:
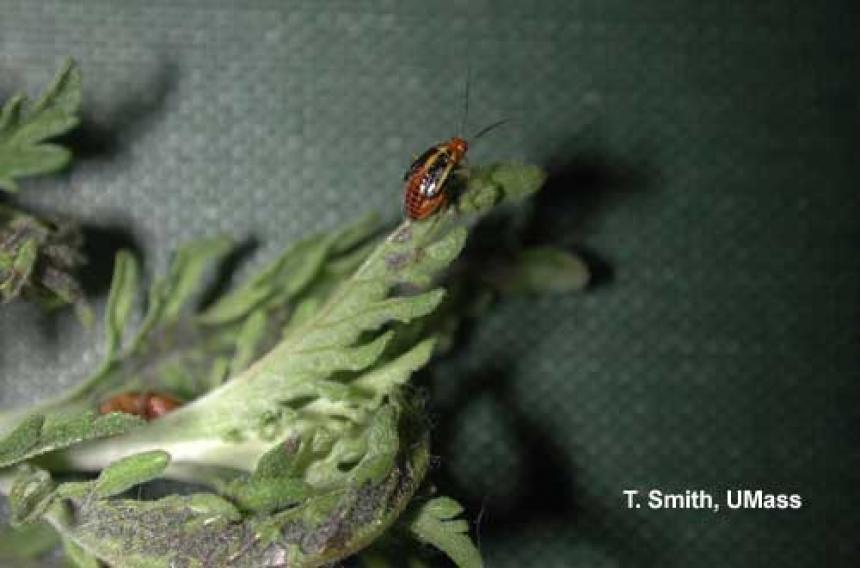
[427, 178]
[147, 405]
[425, 190]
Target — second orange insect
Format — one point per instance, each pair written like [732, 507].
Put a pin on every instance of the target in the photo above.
[147, 405]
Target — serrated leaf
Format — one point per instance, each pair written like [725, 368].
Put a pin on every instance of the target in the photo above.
[331, 359]
[217, 372]
[250, 336]
[346, 324]
[168, 296]
[38, 258]
[331, 384]
[21, 439]
[64, 92]
[31, 494]
[19, 162]
[384, 379]
[130, 471]
[170, 356]
[383, 443]
[61, 432]
[355, 234]
[47, 124]
[434, 523]
[25, 127]
[123, 292]
[318, 262]
[207, 529]
[277, 395]
[10, 115]
[186, 272]
[283, 460]
[23, 264]
[284, 277]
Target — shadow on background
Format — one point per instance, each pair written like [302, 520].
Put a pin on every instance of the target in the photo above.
[227, 270]
[101, 245]
[578, 192]
[107, 138]
[95, 139]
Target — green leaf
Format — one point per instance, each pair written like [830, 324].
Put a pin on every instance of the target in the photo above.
[31, 495]
[130, 471]
[24, 128]
[283, 460]
[267, 495]
[355, 234]
[171, 294]
[79, 557]
[384, 379]
[435, 523]
[501, 182]
[58, 432]
[38, 259]
[286, 276]
[382, 445]
[251, 334]
[345, 325]
[183, 357]
[180, 530]
[21, 269]
[288, 390]
[542, 270]
[120, 301]
[26, 542]
[64, 93]
[516, 181]
[26, 258]
[186, 272]
[338, 445]
[18, 442]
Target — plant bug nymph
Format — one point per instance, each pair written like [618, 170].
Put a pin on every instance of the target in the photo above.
[427, 178]
[147, 405]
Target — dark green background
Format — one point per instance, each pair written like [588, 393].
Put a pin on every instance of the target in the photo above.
[704, 156]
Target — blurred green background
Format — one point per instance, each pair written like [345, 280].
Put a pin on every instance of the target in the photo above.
[703, 157]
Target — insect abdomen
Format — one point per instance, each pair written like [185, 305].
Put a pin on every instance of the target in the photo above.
[147, 405]
[425, 182]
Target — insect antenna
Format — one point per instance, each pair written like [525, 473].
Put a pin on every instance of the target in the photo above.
[466, 97]
[487, 129]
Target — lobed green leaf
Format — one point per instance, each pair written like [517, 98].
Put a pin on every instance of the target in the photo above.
[130, 471]
[31, 495]
[37, 435]
[434, 523]
[120, 302]
[25, 127]
[338, 452]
